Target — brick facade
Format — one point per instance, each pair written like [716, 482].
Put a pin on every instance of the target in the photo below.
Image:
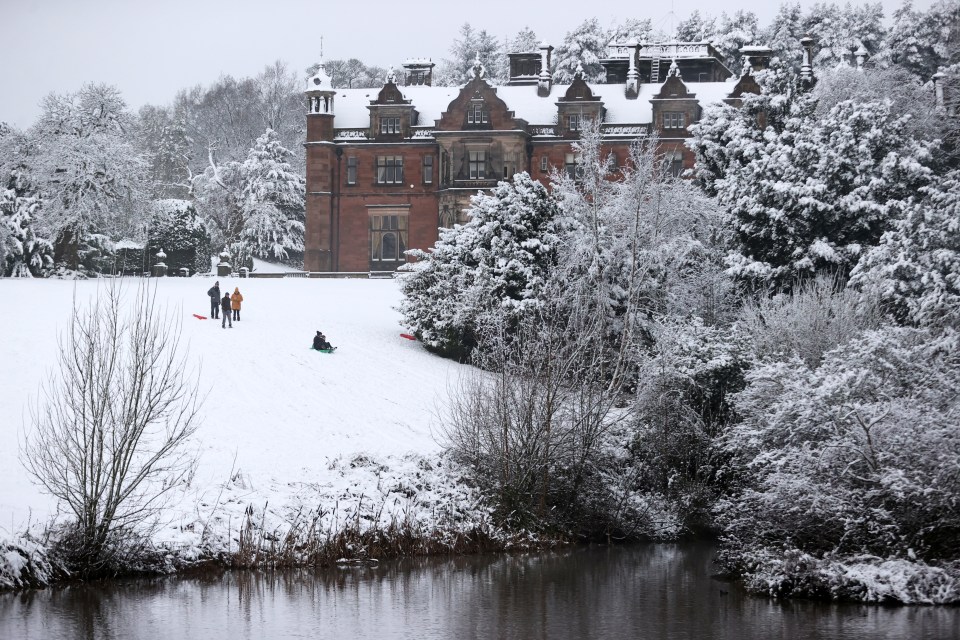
[386, 168]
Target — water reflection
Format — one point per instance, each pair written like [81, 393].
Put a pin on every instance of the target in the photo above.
[650, 591]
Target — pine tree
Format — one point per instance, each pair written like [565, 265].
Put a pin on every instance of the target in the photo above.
[458, 69]
[272, 202]
[176, 228]
[785, 32]
[925, 41]
[732, 34]
[807, 194]
[696, 28]
[23, 252]
[524, 42]
[586, 45]
[916, 267]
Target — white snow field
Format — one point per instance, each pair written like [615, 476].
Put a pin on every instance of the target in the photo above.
[283, 427]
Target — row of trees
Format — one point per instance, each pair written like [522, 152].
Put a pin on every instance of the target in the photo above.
[767, 352]
[90, 180]
[919, 41]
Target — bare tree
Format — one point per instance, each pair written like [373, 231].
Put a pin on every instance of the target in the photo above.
[110, 430]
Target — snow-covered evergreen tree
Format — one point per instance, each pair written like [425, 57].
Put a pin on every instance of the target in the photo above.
[637, 29]
[458, 68]
[696, 27]
[24, 253]
[841, 30]
[490, 270]
[272, 202]
[524, 42]
[586, 45]
[806, 193]
[176, 228]
[732, 34]
[783, 35]
[924, 41]
[916, 267]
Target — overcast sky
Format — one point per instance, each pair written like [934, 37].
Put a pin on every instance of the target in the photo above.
[150, 50]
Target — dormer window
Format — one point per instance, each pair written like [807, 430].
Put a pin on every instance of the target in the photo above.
[573, 122]
[390, 125]
[476, 114]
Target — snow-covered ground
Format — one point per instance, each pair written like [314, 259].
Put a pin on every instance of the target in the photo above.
[282, 425]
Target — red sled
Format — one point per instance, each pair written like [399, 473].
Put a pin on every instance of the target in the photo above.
[199, 317]
[407, 336]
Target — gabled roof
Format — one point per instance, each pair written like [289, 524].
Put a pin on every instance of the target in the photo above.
[430, 102]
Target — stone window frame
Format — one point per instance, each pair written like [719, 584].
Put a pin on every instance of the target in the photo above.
[390, 125]
[574, 121]
[389, 169]
[476, 164]
[674, 120]
[571, 165]
[353, 164]
[477, 113]
[427, 167]
[389, 231]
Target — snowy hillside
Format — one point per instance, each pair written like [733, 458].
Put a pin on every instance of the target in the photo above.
[279, 419]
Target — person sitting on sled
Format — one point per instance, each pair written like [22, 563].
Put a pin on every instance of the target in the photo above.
[320, 342]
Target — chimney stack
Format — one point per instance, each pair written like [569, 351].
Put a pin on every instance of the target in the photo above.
[632, 89]
[806, 69]
[545, 81]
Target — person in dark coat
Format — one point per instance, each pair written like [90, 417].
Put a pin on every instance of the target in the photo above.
[214, 294]
[225, 307]
[320, 342]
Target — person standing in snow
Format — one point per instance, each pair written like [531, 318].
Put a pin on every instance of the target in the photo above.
[214, 294]
[235, 301]
[225, 307]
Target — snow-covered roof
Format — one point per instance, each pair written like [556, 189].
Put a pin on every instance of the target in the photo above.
[431, 102]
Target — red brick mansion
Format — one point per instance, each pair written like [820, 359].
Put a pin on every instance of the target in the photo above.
[387, 168]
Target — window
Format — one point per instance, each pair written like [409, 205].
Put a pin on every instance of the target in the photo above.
[476, 113]
[351, 170]
[390, 125]
[427, 169]
[477, 162]
[676, 165]
[388, 237]
[573, 122]
[544, 164]
[674, 120]
[571, 165]
[389, 169]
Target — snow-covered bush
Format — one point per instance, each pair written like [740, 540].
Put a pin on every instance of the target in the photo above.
[815, 317]
[865, 578]
[26, 564]
[856, 456]
[682, 402]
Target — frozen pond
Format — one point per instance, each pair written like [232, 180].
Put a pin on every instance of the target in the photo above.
[644, 591]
